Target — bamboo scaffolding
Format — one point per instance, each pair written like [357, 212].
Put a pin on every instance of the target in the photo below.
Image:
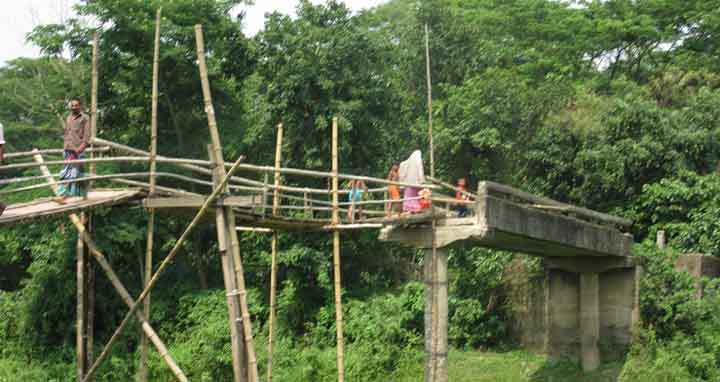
[115, 281]
[230, 214]
[143, 369]
[166, 262]
[273, 250]
[336, 258]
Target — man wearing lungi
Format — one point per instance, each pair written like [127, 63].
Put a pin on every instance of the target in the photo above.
[77, 139]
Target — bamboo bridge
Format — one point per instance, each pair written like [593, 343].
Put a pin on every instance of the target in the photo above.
[240, 196]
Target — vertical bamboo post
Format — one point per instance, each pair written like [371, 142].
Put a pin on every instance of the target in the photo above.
[227, 211]
[143, 369]
[93, 103]
[273, 261]
[336, 256]
[80, 330]
[429, 100]
[89, 355]
[264, 194]
[234, 315]
[306, 205]
[85, 324]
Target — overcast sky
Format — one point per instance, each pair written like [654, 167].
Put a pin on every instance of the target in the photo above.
[18, 17]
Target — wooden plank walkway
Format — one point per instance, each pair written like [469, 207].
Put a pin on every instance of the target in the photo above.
[46, 207]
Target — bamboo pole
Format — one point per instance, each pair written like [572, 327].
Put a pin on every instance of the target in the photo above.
[80, 312]
[336, 257]
[88, 219]
[240, 373]
[264, 194]
[18, 166]
[143, 369]
[115, 281]
[429, 100]
[254, 229]
[450, 186]
[273, 250]
[52, 152]
[229, 213]
[166, 262]
[89, 347]
[93, 103]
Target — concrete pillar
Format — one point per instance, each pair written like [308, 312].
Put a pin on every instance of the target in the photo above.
[636, 313]
[589, 321]
[436, 315]
[660, 239]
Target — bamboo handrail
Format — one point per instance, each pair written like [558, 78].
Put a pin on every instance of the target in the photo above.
[106, 160]
[23, 154]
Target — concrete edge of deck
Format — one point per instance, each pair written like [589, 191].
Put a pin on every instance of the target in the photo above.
[505, 225]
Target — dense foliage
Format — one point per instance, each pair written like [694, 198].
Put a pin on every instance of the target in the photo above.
[613, 105]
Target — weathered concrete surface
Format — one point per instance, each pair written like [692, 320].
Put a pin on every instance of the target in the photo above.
[563, 307]
[617, 305]
[516, 227]
[576, 319]
[436, 315]
[589, 320]
[547, 311]
[506, 225]
[699, 265]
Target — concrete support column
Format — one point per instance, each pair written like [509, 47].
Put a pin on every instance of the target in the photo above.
[436, 315]
[589, 321]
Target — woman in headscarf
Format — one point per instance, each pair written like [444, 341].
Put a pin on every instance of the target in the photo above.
[411, 171]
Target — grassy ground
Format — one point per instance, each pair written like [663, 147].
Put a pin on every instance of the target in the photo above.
[515, 366]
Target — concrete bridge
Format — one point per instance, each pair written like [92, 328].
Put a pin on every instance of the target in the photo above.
[591, 282]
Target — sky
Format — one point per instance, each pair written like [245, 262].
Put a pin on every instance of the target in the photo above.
[19, 17]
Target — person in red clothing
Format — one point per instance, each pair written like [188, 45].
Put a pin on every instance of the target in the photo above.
[425, 201]
[461, 197]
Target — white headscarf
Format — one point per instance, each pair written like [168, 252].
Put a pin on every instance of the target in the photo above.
[411, 170]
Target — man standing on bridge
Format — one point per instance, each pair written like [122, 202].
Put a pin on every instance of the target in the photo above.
[76, 140]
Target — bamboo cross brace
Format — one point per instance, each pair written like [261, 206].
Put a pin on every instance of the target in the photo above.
[135, 305]
[119, 287]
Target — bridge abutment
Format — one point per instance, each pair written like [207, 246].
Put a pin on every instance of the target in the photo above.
[589, 302]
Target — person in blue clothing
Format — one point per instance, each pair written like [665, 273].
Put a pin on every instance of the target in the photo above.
[357, 191]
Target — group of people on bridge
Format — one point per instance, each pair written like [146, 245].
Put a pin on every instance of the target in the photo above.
[408, 199]
[401, 200]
